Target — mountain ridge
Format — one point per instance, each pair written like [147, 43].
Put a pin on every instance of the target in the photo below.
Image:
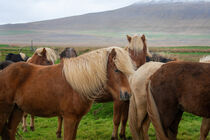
[108, 27]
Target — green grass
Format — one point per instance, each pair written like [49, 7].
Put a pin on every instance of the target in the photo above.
[97, 124]
[186, 47]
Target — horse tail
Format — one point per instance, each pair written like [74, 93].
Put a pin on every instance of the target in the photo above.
[133, 119]
[154, 114]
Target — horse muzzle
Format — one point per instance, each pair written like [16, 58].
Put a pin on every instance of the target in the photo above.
[124, 96]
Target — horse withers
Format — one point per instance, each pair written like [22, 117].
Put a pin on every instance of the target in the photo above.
[62, 89]
[174, 88]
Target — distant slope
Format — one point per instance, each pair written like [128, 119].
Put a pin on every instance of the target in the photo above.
[179, 23]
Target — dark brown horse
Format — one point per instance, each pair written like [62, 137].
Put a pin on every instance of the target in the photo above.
[42, 56]
[63, 89]
[174, 88]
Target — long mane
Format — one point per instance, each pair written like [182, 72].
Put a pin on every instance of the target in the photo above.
[205, 59]
[87, 74]
[50, 53]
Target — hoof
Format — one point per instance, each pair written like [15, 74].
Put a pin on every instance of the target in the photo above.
[25, 130]
[122, 136]
[114, 138]
[58, 134]
[32, 128]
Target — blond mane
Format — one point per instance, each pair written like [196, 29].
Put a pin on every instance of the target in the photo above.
[137, 44]
[205, 59]
[87, 74]
[50, 53]
[23, 56]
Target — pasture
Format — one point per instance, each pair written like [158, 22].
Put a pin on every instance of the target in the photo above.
[97, 124]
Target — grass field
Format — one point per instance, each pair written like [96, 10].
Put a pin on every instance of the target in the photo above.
[97, 124]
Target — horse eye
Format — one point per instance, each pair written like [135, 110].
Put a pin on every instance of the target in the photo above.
[116, 70]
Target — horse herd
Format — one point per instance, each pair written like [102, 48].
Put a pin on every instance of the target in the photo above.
[142, 91]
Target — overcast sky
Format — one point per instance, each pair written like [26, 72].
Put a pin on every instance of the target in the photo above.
[20, 11]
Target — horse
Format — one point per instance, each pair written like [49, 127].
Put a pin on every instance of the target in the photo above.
[174, 88]
[138, 51]
[159, 58]
[68, 53]
[4, 64]
[138, 118]
[16, 57]
[42, 56]
[205, 126]
[67, 89]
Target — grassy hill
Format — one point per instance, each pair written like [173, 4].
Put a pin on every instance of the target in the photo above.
[165, 24]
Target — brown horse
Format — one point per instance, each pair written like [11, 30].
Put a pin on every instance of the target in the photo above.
[138, 51]
[42, 56]
[205, 126]
[174, 88]
[67, 89]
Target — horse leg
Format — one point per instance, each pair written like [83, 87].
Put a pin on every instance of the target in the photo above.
[70, 127]
[32, 123]
[124, 119]
[116, 119]
[205, 128]
[172, 128]
[5, 111]
[145, 126]
[14, 120]
[58, 133]
[24, 125]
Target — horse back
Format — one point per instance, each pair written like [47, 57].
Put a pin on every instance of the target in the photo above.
[184, 86]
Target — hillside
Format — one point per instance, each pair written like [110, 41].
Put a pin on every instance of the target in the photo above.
[170, 23]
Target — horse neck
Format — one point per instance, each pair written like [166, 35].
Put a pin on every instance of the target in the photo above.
[139, 58]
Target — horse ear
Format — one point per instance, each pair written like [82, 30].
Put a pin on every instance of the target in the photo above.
[143, 38]
[113, 54]
[129, 38]
[43, 53]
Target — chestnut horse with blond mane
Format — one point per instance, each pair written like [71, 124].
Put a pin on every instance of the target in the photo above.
[174, 88]
[67, 89]
[138, 51]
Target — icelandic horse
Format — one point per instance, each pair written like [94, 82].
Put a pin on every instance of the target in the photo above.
[205, 126]
[138, 118]
[42, 56]
[174, 88]
[138, 51]
[67, 89]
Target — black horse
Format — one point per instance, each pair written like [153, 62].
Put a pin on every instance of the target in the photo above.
[158, 58]
[16, 57]
[68, 52]
[5, 64]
